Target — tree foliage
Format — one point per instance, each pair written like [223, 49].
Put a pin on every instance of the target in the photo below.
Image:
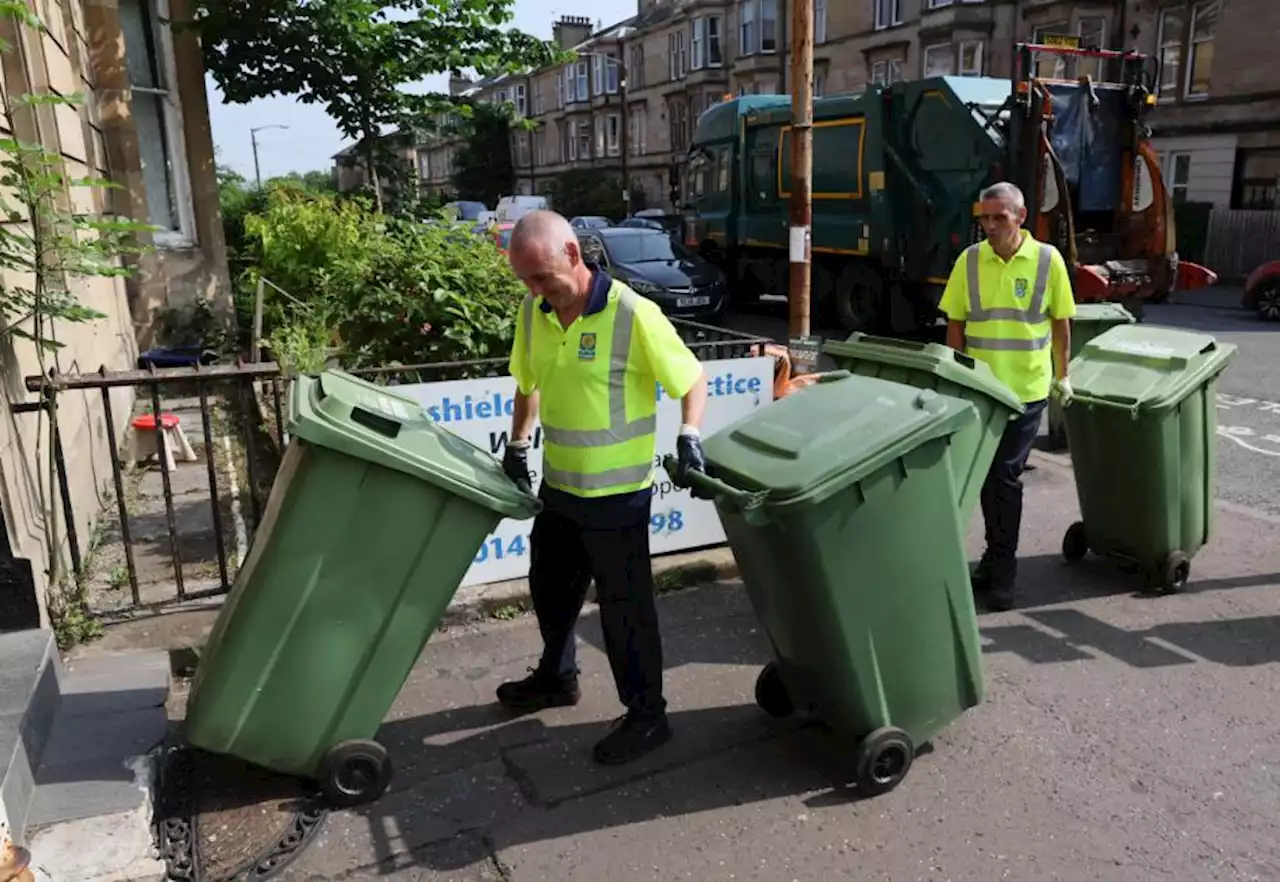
[356, 57]
[593, 191]
[484, 170]
[380, 289]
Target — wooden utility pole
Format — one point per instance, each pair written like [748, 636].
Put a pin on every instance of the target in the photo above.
[801, 164]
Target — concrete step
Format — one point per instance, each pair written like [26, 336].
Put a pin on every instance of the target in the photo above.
[111, 717]
[78, 741]
[30, 691]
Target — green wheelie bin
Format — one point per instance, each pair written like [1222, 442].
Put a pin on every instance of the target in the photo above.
[1142, 426]
[828, 497]
[375, 516]
[1091, 319]
[943, 369]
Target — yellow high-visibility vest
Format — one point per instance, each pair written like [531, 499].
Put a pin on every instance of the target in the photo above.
[1008, 307]
[598, 381]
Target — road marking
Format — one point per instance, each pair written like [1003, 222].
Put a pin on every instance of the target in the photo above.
[1226, 402]
[1238, 434]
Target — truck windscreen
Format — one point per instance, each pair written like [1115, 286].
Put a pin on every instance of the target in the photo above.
[1088, 135]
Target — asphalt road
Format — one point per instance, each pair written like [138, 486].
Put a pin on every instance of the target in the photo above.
[1248, 394]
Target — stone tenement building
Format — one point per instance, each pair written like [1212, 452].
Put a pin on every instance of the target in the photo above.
[1217, 122]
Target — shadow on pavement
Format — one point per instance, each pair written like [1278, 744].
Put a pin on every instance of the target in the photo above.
[550, 768]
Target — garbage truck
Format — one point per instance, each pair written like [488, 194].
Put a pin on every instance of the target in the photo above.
[897, 175]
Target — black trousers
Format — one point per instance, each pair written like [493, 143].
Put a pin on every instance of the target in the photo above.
[607, 541]
[1002, 493]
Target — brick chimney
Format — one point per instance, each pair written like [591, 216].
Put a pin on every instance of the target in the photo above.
[571, 30]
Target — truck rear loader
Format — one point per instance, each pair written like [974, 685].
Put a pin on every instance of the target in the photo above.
[897, 175]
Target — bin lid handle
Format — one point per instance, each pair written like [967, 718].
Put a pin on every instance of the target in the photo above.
[714, 488]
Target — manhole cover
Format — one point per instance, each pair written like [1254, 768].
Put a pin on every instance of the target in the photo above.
[222, 820]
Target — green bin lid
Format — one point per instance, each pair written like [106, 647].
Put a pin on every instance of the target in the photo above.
[1146, 367]
[821, 438]
[377, 424]
[933, 358]
[1103, 312]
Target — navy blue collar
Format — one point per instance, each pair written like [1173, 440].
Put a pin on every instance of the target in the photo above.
[597, 299]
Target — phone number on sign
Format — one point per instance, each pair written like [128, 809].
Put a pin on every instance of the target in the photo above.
[498, 548]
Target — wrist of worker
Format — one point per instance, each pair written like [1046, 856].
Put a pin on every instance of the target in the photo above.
[690, 431]
[518, 444]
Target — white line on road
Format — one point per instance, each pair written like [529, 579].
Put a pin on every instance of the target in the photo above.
[1238, 434]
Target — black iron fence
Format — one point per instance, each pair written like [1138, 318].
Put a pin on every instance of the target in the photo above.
[247, 401]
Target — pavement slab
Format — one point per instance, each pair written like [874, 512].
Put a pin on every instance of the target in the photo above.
[1123, 737]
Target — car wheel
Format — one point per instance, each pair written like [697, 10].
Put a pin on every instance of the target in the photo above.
[1268, 302]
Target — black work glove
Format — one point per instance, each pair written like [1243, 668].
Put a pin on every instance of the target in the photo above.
[690, 458]
[515, 463]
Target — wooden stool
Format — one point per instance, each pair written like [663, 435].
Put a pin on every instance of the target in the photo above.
[147, 442]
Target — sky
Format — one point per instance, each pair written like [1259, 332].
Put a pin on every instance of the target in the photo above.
[311, 138]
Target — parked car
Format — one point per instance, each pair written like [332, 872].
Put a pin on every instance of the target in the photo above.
[466, 210]
[660, 268]
[590, 222]
[656, 219]
[1262, 291]
[512, 208]
[501, 233]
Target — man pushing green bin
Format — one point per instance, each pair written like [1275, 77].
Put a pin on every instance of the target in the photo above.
[375, 516]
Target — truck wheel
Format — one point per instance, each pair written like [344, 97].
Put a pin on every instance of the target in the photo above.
[859, 299]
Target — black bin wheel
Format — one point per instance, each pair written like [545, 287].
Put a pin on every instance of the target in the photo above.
[355, 773]
[1172, 575]
[771, 692]
[884, 758]
[1075, 544]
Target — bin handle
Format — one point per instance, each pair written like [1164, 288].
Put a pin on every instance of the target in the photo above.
[909, 345]
[746, 500]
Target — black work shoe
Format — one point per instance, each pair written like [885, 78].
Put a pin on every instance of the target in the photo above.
[632, 737]
[980, 579]
[997, 598]
[539, 691]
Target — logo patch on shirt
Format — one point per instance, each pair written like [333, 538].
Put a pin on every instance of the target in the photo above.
[587, 347]
[1019, 288]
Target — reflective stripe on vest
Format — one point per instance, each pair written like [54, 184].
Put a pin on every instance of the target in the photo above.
[619, 429]
[1033, 314]
[619, 351]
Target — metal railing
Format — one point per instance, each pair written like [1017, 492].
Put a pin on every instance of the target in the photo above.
[234, 388]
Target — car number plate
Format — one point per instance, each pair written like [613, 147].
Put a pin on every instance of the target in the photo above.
[682, 302]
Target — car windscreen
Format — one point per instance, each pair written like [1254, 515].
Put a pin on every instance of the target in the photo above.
[645, 248]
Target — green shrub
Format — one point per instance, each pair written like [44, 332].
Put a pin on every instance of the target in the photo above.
[387, 289]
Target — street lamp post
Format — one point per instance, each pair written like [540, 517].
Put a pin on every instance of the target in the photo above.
[253, 136]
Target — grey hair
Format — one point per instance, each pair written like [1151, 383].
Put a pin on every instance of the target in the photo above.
[545, 228]
[1005, 190]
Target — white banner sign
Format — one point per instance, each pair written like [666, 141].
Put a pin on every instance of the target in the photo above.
[480, 411]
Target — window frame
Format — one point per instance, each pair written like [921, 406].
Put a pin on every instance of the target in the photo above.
[950, 50]
[156, 18]
[1165, 42]
[979, 58]
[891, 8]
[748, 42]
[1188, 72]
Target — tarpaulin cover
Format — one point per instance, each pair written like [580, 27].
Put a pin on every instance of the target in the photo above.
[1087, 138]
